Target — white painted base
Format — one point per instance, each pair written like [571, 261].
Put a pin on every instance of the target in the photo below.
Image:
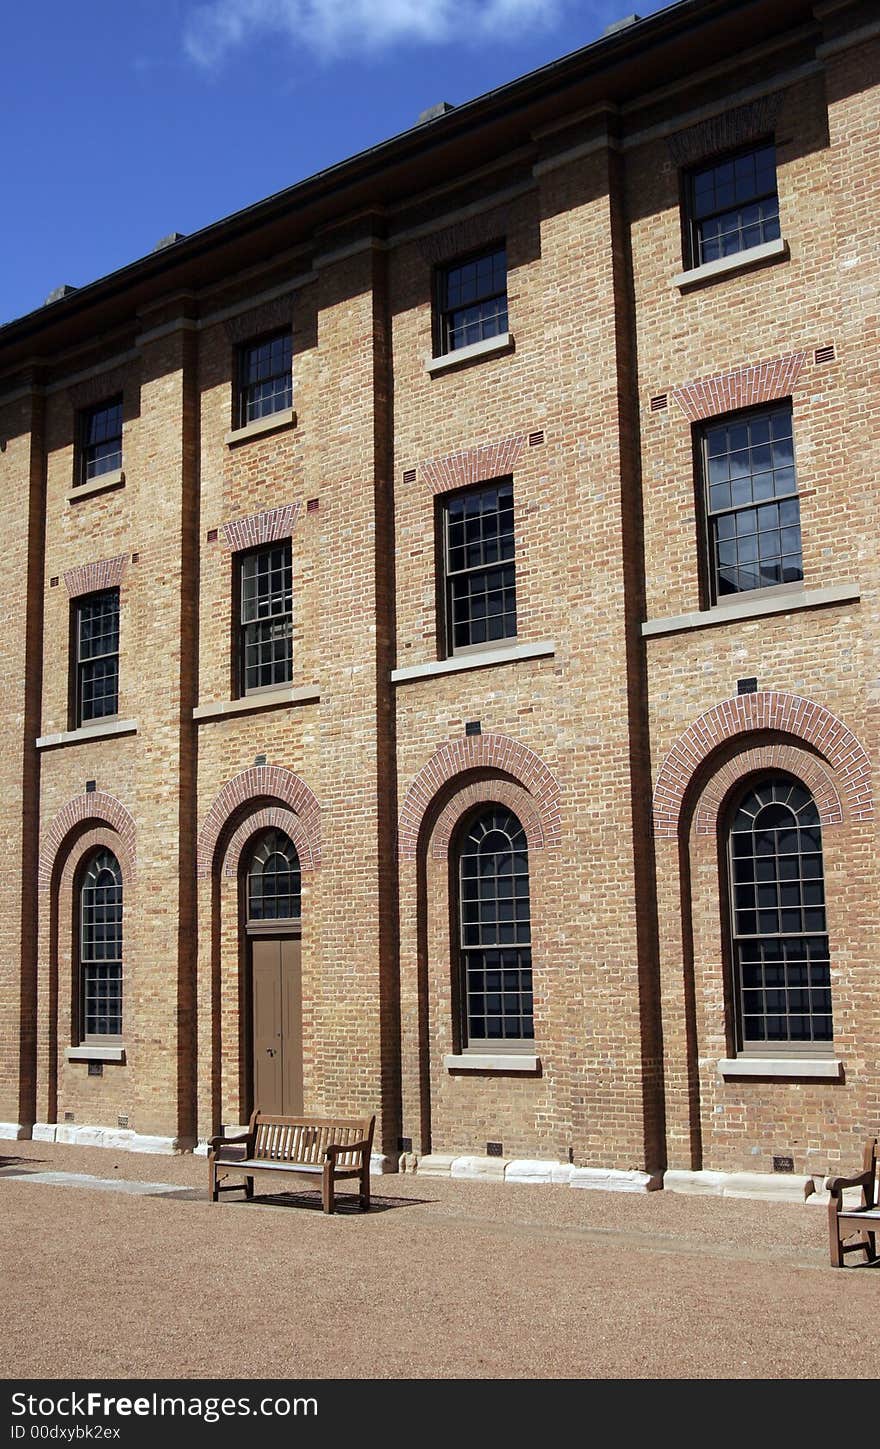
[601, 1179]
[119, 1139]
[13, 1132]
[773, 1186]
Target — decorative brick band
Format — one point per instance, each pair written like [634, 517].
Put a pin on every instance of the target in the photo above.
[480, 752]
[268, 317]
[273, 817]
[465, 235]
[257, 528]
[474, 465]
[745, 387]
[731, 129]
[96, 389]
[488, 792]
[266, 784]
[106, 573]
[786, 714]
[790, 758]
[81, 808]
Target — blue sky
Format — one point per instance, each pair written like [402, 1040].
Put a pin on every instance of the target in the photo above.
[123, 120]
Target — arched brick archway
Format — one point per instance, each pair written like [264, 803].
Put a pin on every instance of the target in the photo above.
[78, 811]
[485, 792]
[480, 752]
[265, 783]
[272, 817]
[766, 711]
[760, 759]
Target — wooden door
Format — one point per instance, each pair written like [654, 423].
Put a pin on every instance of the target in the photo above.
[277, 1024]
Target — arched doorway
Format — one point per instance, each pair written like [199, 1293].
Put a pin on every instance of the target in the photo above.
[272, 926]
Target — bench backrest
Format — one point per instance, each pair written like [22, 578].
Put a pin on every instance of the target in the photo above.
[306, 1139]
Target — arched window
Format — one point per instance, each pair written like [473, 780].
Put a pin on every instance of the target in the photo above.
[100, 947]
[273, 879]
[494, 930]
[779, 941]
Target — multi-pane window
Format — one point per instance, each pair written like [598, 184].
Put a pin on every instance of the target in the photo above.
[96, 630]
[100, 947]
[479, 569]
[265, 380]
[780, 953]
[752, 508]
[265, 618]
[472, 300]
[733, 204]
[273, 880]
[495, 931]
[100, 449]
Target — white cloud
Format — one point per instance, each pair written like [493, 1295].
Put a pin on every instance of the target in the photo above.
[338, 27]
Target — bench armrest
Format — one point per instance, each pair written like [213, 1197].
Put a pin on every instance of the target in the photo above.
[835, 1185]
[221, 1141]
[336, 1148]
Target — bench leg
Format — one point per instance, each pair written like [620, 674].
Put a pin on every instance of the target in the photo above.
[365, 1188]
[249, 1188]
[212, 1180]
[328, 1199]
[834, 1234]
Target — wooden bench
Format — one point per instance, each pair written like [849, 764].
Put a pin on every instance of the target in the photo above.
[844, 1222]
[331, 1147]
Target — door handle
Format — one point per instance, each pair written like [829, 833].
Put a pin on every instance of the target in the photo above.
[270, 1051]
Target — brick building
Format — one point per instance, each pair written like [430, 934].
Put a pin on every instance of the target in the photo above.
[440, 666]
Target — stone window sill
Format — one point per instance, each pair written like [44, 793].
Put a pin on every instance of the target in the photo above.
[792, 1067]
[491, 1062]
[102, 484]
[487, 348]
[725, 266]
[286, 418]
[480, 659]
[89, 732]
[250, 703]
[781, 603]
[95, 1053]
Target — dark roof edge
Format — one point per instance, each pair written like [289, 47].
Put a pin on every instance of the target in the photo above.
[612, 47]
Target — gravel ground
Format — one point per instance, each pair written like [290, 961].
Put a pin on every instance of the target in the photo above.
[443, 1279]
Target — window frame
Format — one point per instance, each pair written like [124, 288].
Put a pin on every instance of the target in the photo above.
[80, 1015]
[240, 689]
[761, 1049]
[442, 310]
[709, 571]
[243, 351]
[445, 576]
[85, 417]
[77, 719]
[692, 240]
[460, 994]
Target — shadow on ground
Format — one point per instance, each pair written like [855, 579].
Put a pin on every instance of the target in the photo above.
[310, 1201]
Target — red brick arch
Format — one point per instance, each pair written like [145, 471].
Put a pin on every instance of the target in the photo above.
[767, 710]
[272, 817]
[480, 752]
[486, 792]
[808, 768]
[264, 783]
[95, 807]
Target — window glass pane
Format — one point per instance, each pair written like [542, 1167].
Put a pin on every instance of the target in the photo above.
[756, 453]
[480, 572]
[100, 946]
[734, 205]
[273, 880]
[101, 441]
[473, 301]
[97, 655]
[495, 931]
[266, 385]
[266, 617]
[782, 948]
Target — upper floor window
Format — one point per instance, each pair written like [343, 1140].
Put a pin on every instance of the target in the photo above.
[472, 302]
[495, 930]
[265, 380]
[479, 569]
[781, 962]
[273, 880]
[100, 947]
[733, 204]
[100, 441]
[752, 508]
[265, 627]
[96, 647]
